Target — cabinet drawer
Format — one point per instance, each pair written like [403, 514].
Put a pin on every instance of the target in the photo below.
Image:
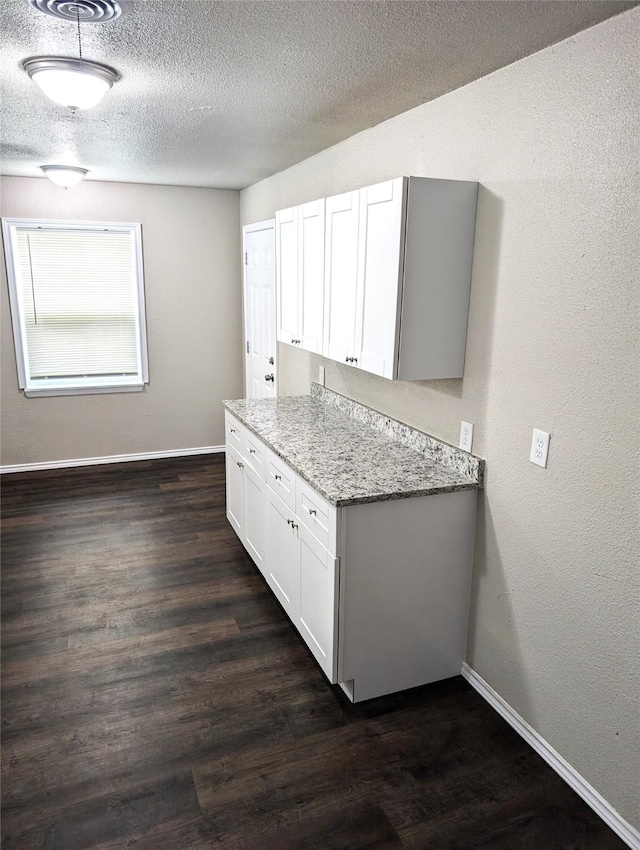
[234, 432]
[317, 515]
[253, 453]
[280, 478]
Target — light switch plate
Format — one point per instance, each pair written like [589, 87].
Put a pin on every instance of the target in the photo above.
[540, 448]
[321, 375]
[466, 435]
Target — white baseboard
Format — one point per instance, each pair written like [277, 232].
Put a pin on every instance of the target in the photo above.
[609, 815]
[94, 461]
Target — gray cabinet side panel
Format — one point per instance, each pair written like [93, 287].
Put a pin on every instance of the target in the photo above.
[406, 579]
[437, 278]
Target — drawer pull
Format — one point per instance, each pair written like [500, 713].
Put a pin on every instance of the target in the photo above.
[252, 451]
[312, 512]
[293, 524]
[289, 522]
[277, 477]
[233, 430]
[241, 465]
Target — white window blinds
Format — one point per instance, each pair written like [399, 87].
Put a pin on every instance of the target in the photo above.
[78, 291]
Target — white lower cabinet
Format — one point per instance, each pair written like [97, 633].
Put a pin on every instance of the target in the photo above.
[303, 576]
[379, 592]
[283, 558]
[318, 615]
[246, 505]
[235, 490]
[255, 522]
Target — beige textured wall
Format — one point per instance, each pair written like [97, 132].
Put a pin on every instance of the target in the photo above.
[553, 344]
[191, 243]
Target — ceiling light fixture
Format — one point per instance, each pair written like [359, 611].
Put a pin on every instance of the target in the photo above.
[76, 83]
[64, 175]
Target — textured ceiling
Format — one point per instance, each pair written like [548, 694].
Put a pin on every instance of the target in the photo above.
[223, 94]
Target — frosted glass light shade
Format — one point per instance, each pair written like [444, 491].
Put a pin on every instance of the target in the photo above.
[64, 175]
[71, 82]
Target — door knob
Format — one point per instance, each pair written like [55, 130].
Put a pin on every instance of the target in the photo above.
[269, 377]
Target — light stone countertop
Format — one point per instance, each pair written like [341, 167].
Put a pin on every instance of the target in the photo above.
[341, 449]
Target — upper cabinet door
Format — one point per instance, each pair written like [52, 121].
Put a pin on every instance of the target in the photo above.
[341, 266]
[287, 274]
[380, 256]
[311, 275]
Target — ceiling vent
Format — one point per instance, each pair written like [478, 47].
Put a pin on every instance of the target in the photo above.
[85, 11]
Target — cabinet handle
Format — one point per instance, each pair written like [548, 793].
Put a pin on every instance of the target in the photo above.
[277, 477]
[240, 465]
[269, 377]
[312, 513]
[289, 522]
[252, 451]
[233, 430]
[293, 525]
[354, 359]
[271, 361]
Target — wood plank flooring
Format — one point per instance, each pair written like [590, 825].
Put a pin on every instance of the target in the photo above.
[156, 696]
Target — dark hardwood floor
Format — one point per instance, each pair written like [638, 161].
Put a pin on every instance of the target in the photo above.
[156, 696]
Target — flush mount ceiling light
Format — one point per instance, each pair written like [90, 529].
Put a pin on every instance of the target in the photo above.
[76, 83]
[64, 175]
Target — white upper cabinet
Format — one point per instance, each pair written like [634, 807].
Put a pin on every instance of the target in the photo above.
[415, 252]
[380, 255]
[438, 239]
[340, 276]
[287, 274]
[300, 275]
[386, 272]
[311, 275]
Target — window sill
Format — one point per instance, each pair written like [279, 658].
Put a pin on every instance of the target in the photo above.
[53, 391]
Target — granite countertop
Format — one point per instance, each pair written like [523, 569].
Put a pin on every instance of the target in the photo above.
[345, 455]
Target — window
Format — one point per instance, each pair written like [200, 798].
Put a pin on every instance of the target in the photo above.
[77, 306]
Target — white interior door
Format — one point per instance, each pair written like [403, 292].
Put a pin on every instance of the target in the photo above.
[260, 310]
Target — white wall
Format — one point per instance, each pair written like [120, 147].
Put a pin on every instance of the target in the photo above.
[191, 243]
[553, 344]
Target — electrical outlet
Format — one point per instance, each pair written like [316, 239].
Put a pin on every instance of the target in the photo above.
[321, 375]
[540, 448]
[466, 435]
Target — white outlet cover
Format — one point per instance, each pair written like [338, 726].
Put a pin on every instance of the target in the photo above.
[466, 435]
[540, 448]
[321, 375]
